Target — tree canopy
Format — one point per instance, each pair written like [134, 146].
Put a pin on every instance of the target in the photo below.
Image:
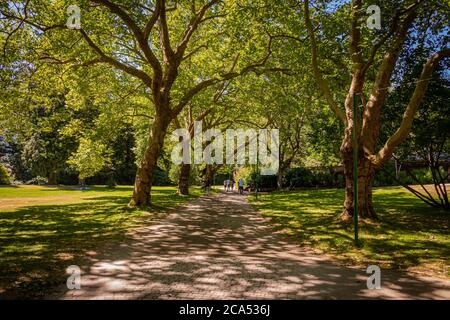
[101, 91]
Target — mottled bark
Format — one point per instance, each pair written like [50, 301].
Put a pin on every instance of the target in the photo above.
[183, 180]
[369, 124]
[144, 176]
[280, 179]
[366, 174]
[209, 174]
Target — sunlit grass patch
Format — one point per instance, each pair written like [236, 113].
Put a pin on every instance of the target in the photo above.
[37, 242]
[410, 234]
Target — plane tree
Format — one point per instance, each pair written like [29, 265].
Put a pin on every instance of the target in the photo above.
[373, 57]
[148, 41]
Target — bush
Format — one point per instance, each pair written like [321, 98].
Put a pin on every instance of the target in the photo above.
[161, 178]
[110, 181]
[298, 177]
[244, 173]
[265, 182]
[302, 177]
[38, 181]
[5, 178]
[385, 176]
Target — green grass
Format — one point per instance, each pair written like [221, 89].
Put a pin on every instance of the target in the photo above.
[56, 227]
[410, 235]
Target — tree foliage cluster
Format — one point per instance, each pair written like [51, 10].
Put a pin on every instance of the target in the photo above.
[102, 99]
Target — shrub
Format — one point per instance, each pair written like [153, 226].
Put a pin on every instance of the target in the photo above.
[298, 177]
[161, 178]
[385, 176]
[265, 182]
[244, 173]
[302, 177]
[5, 178]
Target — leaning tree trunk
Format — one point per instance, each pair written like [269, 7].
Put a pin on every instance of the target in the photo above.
[144, 176]
[183, 180]
[366, 174]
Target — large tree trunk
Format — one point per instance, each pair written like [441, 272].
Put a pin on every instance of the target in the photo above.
[366, 170]
[143, 183]
[366, 174]
[183, 180]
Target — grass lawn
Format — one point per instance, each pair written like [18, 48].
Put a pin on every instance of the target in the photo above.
[410, 235]
[45, 229]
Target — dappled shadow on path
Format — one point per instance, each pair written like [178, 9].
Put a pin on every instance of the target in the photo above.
[218, 248]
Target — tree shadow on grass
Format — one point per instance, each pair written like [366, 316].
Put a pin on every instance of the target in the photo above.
[38, 243]
[42, 241]
[408, 234]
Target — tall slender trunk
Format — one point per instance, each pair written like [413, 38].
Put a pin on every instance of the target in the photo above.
[280, 177]
[185, 168]
[209, 174]
[144, 175]
[183, 180]
[279, 180]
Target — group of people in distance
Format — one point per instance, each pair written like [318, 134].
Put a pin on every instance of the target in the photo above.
[228, 185]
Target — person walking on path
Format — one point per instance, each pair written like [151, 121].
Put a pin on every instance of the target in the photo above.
[227, 185]
[241, 186]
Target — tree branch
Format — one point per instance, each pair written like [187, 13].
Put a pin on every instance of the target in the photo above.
[355, 50]
[119, 65]
[224, 77]
[193, 25]
[138, 34]
[379, 90]
[25, 16]
[164, 34]
[405, 127]
[152, 21]
[322, 84]
[190, 54]
[393, 29]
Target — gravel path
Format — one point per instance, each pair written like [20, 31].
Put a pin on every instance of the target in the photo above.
[218, 247]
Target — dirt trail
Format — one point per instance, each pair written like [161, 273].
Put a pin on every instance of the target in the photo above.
[218, 247]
